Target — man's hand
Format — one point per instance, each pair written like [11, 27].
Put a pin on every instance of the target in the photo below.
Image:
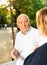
[36, 47]
[14, 54]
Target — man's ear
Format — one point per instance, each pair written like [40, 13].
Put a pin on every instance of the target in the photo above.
[17, 25]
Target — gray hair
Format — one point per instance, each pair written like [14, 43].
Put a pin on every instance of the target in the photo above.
[23, 15]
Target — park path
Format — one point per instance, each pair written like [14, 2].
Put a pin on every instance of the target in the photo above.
[6, 44]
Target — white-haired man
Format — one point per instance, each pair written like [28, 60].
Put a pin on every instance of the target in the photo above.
[25, 42]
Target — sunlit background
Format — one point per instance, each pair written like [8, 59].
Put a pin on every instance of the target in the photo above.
[9, 10]
[4, 2]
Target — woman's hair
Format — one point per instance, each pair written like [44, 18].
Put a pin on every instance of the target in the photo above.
[41, 19]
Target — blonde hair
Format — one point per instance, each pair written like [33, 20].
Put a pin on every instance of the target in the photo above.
[41, 19]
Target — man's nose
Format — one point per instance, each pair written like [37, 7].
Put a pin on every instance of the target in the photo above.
[24, 24]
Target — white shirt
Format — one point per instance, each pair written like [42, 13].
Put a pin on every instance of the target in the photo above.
[25, 44]
[40, 39]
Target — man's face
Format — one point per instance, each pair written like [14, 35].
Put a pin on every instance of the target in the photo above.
[23, 24]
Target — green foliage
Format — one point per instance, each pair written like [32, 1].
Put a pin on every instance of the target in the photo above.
[4, 15]
[29, 7]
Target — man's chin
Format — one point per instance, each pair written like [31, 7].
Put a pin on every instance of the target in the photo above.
[25, 31]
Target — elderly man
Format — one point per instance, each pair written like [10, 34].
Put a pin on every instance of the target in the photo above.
[25, 42]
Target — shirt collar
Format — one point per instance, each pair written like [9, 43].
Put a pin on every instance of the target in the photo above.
[27, 31]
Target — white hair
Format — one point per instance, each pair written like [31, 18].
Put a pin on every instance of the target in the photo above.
[23, 15]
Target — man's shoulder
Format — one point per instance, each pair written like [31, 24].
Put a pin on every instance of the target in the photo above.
[18, 33]
[34, 29]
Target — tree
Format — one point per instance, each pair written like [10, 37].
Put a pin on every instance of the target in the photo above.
[4, 15]
[12, 22]
[28, 7]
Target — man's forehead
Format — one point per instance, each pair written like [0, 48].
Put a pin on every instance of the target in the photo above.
[22, 18]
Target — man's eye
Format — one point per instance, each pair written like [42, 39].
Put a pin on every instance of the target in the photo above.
[21, 22]
[26, 21]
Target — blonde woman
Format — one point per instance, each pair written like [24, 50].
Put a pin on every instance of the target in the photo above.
[39, 57]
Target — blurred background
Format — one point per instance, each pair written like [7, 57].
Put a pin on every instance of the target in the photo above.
[9, 10]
